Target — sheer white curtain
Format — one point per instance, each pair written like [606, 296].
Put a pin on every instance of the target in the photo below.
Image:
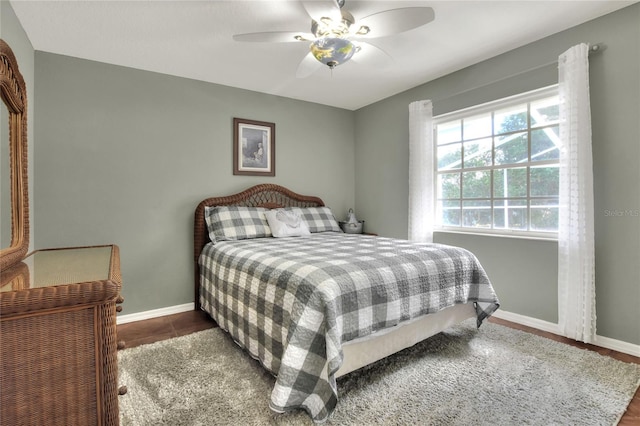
[576, 252]
[421, 173]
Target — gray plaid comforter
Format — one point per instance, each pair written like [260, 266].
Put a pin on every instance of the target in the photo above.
[291, 302]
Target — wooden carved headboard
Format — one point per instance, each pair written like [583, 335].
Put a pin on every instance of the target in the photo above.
[266, 195]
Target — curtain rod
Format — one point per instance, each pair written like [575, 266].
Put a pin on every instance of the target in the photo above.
[594, 48]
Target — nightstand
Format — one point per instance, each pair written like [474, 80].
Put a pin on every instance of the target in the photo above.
[58, 350]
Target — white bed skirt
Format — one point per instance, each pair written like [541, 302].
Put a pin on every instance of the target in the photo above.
[366, 350]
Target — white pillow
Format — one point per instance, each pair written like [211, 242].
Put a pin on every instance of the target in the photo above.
[285, 223]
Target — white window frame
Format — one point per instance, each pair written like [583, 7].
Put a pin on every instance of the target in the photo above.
[492, 106]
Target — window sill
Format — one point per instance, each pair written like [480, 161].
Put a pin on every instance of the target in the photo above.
[535, 237]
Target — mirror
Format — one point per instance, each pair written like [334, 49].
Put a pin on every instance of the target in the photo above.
[5, 178]
[14, 97]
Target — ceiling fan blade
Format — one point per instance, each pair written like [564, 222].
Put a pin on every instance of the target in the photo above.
[274, 37]
[393, 21]
[371, 56]
[307, 66]
[322, 8]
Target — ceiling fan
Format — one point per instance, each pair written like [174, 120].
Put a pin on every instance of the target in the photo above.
[336, 36]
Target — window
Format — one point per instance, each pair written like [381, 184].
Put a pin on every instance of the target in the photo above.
[497, 166]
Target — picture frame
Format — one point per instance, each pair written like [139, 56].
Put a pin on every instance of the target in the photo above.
[254, 147]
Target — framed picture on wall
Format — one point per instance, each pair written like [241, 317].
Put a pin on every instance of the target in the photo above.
[254, 147]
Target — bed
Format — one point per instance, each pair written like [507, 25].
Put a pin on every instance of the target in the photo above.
[314, 303]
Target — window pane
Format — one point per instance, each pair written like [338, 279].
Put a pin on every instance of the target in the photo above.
[510, 182]
[510, 214]
[510, 120]
[449, 212]
[476, 214]
[477, 153]
[545, 144]
[544, 215]
[450, 156]
[449, 132]
[545, 181]
[476, 184]
[449, 185]
[545, 111]
[511, 149]
[478, 126]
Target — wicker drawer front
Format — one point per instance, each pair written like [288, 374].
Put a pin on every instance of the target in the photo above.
[48, 364]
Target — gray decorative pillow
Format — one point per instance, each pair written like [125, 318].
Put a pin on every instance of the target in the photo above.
[286, 223]
[319, 219]
[228, 223]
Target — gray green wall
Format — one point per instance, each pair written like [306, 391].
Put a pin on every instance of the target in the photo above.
[124, 156]
[524, 272]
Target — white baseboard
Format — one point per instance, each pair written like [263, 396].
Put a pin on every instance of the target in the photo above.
[154, 313]
[528, 321]
[603, 342]
[618, 345]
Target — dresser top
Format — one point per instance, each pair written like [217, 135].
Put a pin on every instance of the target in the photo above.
[52, 267]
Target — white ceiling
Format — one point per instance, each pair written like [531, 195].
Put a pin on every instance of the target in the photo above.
[193, 39]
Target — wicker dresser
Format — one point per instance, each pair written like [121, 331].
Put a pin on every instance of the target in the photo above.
[58, 350]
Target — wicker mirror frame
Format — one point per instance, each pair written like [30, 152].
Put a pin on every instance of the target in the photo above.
[14, 95]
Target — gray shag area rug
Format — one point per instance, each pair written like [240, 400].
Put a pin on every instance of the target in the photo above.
[464, 376]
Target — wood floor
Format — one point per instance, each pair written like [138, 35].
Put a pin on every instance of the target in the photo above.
[156, 329]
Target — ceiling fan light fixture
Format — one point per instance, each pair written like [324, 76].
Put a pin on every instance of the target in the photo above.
[333, 51]
[332, 26]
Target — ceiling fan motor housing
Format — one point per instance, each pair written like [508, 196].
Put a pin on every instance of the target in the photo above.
[328, 27]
